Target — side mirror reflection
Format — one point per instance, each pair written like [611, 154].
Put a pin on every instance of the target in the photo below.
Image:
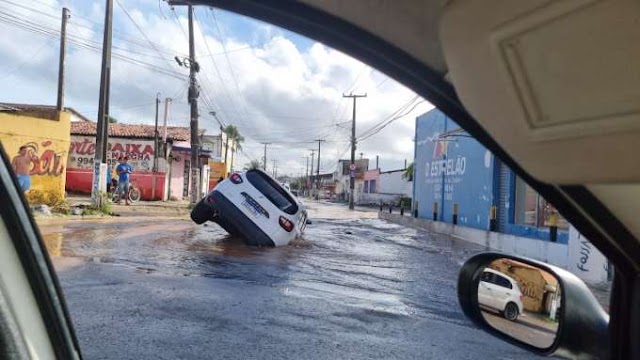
[521, 301]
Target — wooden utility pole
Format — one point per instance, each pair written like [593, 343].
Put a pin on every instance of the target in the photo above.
[156, 137]
[194, 93]
[313, 157]
[63, 57]
[318, 171]
[193, 101]
[102, 126]
[264, 162]
[352, 167]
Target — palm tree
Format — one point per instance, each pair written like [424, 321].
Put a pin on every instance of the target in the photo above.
[233, 135]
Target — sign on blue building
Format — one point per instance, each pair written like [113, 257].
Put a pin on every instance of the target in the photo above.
[451, 167]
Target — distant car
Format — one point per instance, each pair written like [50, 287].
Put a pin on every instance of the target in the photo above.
[254, 206]
[499, 292]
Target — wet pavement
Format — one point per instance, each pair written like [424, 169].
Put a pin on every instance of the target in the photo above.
[354, 288]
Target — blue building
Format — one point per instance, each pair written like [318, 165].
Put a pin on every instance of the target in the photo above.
[453, 169]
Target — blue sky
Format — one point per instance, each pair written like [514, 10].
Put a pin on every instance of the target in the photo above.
[274, 85]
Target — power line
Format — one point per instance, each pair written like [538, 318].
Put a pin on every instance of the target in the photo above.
[30, 59]
[383, 121]
[226, 55]
[34, 28]
[215, 66]
[391, 121]
[140, 29]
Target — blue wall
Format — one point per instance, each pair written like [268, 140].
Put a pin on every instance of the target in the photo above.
[446, 154]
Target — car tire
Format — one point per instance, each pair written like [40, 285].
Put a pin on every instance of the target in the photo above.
[511, 312]
[201, 213]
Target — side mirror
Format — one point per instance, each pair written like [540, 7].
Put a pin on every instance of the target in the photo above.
[536, 306]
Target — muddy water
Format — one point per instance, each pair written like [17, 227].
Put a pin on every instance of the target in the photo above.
[353, 287]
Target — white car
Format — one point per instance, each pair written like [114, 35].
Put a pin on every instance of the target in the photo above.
[254, 206]
[498, 291]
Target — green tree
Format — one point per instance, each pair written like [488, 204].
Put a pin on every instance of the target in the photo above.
[112, 120]
[408, 172]
[252, 165]
[234, 136]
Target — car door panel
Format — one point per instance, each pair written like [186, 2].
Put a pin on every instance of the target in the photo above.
[28, 282]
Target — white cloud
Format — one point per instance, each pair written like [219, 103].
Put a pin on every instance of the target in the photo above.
[280, 91]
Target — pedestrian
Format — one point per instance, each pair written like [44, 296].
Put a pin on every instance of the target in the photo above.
[21, 164]
[123, 170]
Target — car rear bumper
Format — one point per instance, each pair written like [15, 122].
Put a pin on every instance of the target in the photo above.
[230, 215]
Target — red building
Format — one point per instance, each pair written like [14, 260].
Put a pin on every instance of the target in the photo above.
[133, 141]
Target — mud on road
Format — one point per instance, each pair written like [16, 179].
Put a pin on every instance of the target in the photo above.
[354, 288]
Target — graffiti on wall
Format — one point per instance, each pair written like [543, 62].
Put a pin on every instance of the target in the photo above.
[83, 149]
[44, 159]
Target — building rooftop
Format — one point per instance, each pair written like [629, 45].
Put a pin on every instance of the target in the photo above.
[45, 111]
[174, 133]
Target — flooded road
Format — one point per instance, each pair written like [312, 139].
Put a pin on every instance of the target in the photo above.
[354, 288]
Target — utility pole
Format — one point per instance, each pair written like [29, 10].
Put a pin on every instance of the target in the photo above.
[193, 100]
[264, 162]
[102, 127]
[306, 173]
[377, 161]
[352, 168]
[156, 136]
[318, 171]
[167, 106]
[313, 156]
[63, 57]
[194, 93]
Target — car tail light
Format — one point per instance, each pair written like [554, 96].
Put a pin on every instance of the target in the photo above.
[236, 178]
[286, 223]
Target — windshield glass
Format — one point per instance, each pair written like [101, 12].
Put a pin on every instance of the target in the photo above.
[120, 159]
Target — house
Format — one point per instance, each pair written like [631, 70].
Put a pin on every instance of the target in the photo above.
[385, 187]
[173, 159]
[44, 130]
[342, 178]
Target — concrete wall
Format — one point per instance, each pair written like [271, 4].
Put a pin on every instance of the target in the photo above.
[394, 183]
[546, 251]
[141, 153]
[47, 139]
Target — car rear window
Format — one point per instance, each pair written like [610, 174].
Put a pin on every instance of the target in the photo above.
[272, 191]
[502, 281]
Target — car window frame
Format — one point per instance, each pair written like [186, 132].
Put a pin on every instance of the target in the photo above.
[36, 264]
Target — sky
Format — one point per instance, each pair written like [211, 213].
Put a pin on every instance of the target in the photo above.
[274, 85]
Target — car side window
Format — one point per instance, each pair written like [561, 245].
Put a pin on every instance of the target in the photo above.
[502, 281]
[487, 277]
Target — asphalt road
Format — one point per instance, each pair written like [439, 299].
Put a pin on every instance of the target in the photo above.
[355, 288]
[525, 328]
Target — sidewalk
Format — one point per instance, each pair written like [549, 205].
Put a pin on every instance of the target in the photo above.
[141, 207]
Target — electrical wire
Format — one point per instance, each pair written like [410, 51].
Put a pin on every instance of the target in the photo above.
[29, 60]
[388, 122]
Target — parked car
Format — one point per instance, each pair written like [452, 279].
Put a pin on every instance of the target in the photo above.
[254, 206]
[499, 292]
